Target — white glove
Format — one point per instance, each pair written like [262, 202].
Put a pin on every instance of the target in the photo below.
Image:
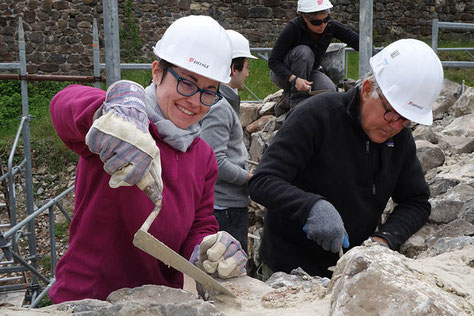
[121, 138]
[221, 253]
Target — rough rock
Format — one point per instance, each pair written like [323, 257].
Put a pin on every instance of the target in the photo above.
[261, 140]
[417, 242]
[259, 124]
[465, 104]
[446, 98]
[432, 275]
[440, 186]
[447, 207]
[462, 126]
[248, 113]
[144, 300]
[430, 155]
[425, 133]
[267, 108]
[456, 228]
[468, 211]
[377, 281]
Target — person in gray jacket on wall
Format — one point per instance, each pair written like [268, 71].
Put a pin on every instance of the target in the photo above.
[221, 128]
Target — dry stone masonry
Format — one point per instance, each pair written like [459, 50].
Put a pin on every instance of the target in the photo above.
[59, 33]
[432, 275]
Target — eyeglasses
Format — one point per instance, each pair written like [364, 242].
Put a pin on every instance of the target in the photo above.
[392, 115]
[188, 88]
[319, 22]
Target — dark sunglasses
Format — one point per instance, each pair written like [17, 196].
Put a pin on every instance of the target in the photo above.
[319, 22]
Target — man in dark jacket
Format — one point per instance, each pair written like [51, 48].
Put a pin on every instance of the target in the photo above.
[339, 157]
[296, 57]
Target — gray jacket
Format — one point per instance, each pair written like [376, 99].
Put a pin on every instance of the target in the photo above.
[222, 130]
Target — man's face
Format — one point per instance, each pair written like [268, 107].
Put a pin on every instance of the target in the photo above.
[181, 110]
[376, 115]
[238, 77]
[322, 17]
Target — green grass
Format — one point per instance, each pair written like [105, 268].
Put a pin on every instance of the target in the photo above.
[258, 81]
[140, 76]
[45, 262]
[61, 230]
[45, 301]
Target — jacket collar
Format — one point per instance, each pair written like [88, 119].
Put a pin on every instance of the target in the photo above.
[231, 96]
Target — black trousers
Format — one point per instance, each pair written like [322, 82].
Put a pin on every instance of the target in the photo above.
[235, 221]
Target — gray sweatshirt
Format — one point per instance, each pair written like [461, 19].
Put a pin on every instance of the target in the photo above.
[222, 130]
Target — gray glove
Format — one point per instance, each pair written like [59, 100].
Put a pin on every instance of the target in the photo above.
[324, 225]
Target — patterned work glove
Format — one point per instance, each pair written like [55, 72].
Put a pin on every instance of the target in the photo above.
[324, 225]
[220, 253]
[121, 138]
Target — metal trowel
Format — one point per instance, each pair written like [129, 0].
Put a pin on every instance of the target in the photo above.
[149, 244]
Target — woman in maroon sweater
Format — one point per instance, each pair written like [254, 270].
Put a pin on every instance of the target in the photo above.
[122, 135]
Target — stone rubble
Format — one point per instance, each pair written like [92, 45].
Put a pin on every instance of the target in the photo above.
[432, 275]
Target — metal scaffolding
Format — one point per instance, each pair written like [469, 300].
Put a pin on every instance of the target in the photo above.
[24, 266]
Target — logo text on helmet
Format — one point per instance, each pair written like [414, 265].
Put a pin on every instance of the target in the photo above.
[395, 53]
[320, 2]
[194, 61]
[415, 105]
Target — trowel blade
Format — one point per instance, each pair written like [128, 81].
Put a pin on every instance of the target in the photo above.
[146, 242]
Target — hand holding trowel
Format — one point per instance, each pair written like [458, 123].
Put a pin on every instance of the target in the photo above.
[146, 242]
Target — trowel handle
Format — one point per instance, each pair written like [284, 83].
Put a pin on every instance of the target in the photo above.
[147, 223]
[148, 185]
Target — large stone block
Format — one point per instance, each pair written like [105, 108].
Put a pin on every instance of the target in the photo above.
[377, 281]
[430, 156]
[447, 207]
[248, 113]
[465, 104]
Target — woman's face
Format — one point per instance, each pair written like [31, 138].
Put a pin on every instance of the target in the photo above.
[318, 29]
[181, 110]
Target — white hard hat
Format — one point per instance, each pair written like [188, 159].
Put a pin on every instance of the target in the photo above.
[240, 45]
[410, 76]
[199, 44]
[307, 6]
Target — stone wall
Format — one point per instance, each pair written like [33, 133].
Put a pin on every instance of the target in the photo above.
[59, 33]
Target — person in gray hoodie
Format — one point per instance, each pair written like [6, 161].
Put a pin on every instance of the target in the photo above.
[221, 128]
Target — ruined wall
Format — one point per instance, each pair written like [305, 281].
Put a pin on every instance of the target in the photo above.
[59, 33]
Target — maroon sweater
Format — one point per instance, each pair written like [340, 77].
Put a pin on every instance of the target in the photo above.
[101, 257]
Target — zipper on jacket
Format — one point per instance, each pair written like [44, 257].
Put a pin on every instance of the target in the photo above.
[367, 151]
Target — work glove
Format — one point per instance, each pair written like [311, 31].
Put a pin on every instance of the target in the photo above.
[324, 225]
[222, 254]
[121, 138]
